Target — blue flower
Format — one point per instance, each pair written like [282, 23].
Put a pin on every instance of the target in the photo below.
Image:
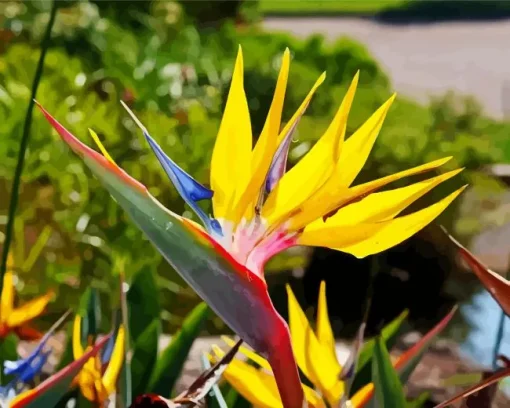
[24, 370]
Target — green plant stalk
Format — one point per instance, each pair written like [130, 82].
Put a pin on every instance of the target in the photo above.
[126, 387]
[13, 203]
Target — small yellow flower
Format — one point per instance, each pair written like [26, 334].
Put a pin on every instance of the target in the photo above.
[258, 385]
[315, 355]
[96, 383]
[16, 319]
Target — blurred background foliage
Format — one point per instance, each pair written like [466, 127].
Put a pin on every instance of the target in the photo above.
[172, 62]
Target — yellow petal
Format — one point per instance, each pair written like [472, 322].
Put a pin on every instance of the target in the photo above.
[230, 163]
[250, 383]
[88, 381]
[401, 228]
[29, 310]
[388, 204]
[370, 238]
[362, 396]
[310, 173]
[316, 167]
[267, 380]
[77, 346]
[301, 108]
[7, 296]
[357, 147]
[314, 360]
[330, 197]
[266, 145]
[313, 398]
[101, 146]
[113, 369]
[332, 235]
[262, 362]
[324, 331]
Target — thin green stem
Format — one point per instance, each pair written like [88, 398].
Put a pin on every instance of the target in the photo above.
[126, 386]
[13, 204]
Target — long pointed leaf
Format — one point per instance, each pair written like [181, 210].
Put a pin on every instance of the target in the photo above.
[170, 363]
[50, 391]
[196, 392]
[214, 398]
[497, 286]
[388, 389]
[484, 397]
[407, 362]
[420, 401]
[145, 356]
[143, 302]
[475, 388]
[390, 334]
[235, 294]
[199, 389]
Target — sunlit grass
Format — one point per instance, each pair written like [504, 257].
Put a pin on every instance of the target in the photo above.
[328, 6]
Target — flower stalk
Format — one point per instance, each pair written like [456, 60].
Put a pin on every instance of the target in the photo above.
[13, 204]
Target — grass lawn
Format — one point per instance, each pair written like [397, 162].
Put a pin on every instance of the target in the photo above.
[327, 6]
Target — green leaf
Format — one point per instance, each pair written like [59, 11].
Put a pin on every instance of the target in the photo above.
[8, 351]
[234, 399]
[90, 311]
[170, 363]
[390, 334]
[8, 347]
[145, 355]
[214, 398]
[143, 302]
[73, 394]
[82, 402]
[388, 389]
[420, 401]
[53, 389]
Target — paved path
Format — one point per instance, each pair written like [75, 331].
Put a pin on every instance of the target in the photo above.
[428, 59]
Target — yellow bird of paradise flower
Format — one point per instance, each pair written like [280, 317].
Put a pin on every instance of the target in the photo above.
[260, 209]
[98, 383]
[17, 319]
[315, 355]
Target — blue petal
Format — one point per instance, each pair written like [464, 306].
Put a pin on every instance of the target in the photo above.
[35, 368]
[189, 189]
[108, 350]
[18, 366]
[279, 163]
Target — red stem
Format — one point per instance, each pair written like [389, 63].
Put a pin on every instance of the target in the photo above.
[283, 364]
